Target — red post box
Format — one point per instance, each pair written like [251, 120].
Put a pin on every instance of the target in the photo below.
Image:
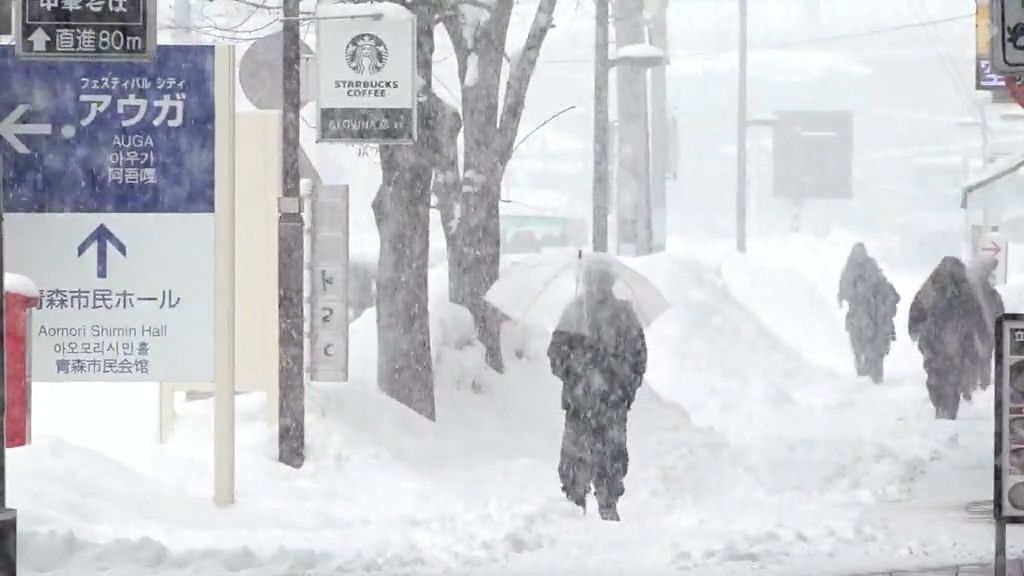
[20, 297]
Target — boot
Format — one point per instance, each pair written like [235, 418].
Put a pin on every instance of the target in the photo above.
[608, 512]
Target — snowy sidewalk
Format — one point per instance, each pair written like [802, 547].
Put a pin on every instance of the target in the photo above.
[1015, 568]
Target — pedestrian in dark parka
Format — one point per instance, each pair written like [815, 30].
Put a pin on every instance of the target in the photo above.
[870, 316]
[947, 322]
[599, 352]
[979, 273]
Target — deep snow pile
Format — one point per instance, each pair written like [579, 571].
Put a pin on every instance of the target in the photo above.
[745, 455]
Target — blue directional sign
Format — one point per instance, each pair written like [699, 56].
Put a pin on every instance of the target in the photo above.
[97, 137]
[107, 178]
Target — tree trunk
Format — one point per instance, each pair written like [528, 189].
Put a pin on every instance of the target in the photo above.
[477, 249]
[402, 212]
[474, 257]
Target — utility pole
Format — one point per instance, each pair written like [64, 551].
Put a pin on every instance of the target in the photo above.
[986, 158]
[182, 18]
[634, 171]
[741, 135]
[292, 422]
[602, 66]
[659, 128]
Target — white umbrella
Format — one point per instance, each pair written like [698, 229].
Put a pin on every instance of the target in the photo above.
[539, 288]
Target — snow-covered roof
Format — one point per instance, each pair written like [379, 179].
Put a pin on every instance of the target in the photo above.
[386, 10]
[18, 284]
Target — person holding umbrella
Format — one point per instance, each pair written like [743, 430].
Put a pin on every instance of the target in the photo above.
[600, 354]
[598, 350]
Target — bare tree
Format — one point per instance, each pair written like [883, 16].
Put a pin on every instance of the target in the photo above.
[467, 186]
[469, 192]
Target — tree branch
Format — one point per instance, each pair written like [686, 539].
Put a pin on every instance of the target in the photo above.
[453, 26]
[519, 81]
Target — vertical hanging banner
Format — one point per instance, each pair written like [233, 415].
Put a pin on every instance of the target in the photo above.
[1009, 441]
[107, 175]
[329, 288]
[366, 73]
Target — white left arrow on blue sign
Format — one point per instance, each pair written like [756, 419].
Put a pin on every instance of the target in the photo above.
[10, 129]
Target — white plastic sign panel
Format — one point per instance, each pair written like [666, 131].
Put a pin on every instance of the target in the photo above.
[1009, 474]
[1008, 40]
[996, 246]
[122, 297]
[107, 176]
[329, 356]
[366, 73]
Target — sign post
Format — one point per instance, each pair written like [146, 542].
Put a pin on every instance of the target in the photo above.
[86, 29]
[1009, 430]
[113, 177]
[366, 76]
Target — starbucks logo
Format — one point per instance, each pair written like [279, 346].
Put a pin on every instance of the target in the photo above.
[366, 54]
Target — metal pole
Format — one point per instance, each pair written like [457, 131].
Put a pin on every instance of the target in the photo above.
[601, 157]
[1000, 548]
[986, 154]
[224, 281]
[182, 18]
[741, 135]
[292, 424]
[660, 148]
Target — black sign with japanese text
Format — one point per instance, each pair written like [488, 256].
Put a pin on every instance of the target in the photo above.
[6, 17]
[813, 154]
[86, 29]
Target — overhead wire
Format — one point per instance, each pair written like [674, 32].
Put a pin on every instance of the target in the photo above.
[796, 43]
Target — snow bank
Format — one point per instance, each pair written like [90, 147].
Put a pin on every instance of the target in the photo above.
[640, 52]
[459, 357]
[761, 461]
[18, 284]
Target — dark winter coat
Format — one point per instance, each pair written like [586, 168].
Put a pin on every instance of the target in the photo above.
[992, 307]
[872, 301]
[946, 319]
[599, 352]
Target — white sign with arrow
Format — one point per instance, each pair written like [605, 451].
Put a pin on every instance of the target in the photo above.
[10, 129]
[995, 246]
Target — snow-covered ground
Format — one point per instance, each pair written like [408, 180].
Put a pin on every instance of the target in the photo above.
[753, 450]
